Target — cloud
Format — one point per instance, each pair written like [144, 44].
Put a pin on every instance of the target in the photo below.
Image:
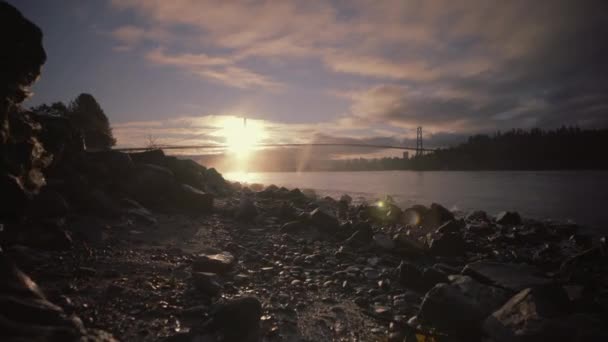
[158, 56]
[220, 69]
[450, 66]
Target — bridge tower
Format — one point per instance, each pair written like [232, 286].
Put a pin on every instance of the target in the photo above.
[419, 147]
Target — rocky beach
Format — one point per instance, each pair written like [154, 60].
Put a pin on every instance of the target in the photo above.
[106, 245]
[164, 249]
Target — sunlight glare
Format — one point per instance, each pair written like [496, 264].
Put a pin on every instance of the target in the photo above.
[240, 138]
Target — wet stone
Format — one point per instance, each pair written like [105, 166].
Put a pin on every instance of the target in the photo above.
[214, 263]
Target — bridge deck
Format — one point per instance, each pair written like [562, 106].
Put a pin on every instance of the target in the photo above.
[184, 147]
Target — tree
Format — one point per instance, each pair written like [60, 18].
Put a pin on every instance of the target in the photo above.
[87, 116]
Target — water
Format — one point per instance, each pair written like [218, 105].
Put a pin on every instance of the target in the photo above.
[581, 196]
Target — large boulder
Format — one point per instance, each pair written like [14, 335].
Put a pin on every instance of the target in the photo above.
[151, 185]
[192, 199]
[154, 157]
[508, 218]
[237, 320]
[246, 210]
[294, 227]
[459, 308]
[119, 164]
[406, 245]
[531, 315]
[513, 277]
[361, 236]
[451, 226]
[587, 266]
[324, 220]
[428, 218]
[448, 244]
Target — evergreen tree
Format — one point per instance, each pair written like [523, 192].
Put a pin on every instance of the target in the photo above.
[87, 116]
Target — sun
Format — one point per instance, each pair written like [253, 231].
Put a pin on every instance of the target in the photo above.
[241, 135]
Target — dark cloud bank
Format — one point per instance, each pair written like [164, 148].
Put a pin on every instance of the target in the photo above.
[553, 71]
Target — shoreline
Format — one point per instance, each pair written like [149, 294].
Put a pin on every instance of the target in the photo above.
[282, 266]
[492, 191]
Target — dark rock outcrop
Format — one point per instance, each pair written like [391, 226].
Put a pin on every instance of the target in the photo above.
[22, 156]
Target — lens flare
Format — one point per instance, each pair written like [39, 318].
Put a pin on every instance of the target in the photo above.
[241, 135]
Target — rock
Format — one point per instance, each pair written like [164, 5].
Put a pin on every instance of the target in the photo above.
[432, 277]
[530, 315]
[120, 164]
[452, 226]
[581, 240]
[293, 227]
[409, 275]
[189, 172]
[362, 236]
[192, 199]
[449, 244]
[428, 218]
[480, 229]
[214, 263]
[513, 277]
[460, 307]
[137, 211]
[99, 203]
[508, 218]
[206, 282]
[383, 241]
[286, 211]
[151, 185]
[346, 199]
[393, 214]
[324, 220]
[246, 210]
[478, 215]
[413, 216]
[408, 246]
[237, 320]
[586, 266]
[436, 216]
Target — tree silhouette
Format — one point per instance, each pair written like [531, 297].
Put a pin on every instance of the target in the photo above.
[87, 116]
[55, 109]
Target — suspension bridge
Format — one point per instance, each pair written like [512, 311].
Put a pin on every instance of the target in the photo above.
[419, 149]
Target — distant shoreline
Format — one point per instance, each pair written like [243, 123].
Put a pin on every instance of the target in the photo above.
[412, 170]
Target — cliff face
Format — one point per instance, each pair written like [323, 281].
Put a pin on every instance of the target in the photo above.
[22, 156]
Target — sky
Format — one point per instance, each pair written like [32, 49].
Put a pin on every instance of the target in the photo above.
[327, 71]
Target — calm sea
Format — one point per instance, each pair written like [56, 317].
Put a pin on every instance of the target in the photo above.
[580, 196]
